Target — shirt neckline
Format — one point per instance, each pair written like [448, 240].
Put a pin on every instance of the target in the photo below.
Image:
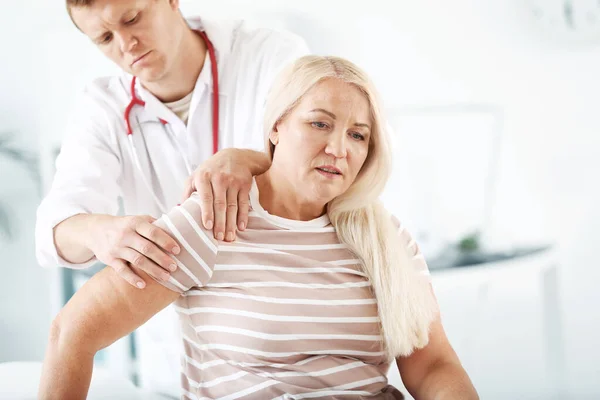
[181, 103]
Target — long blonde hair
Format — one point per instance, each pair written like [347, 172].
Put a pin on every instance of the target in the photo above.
[405, 303]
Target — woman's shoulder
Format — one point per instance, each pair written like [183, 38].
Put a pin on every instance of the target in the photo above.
[405, 236]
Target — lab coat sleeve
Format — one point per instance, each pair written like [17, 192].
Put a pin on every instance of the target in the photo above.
[280, 50]
[196, 261]
[284, 49]
[88, 170]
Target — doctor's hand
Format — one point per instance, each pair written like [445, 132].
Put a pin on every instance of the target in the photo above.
[223, 183]
[121, 241]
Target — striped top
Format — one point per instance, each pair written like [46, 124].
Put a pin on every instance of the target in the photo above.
[284, 312]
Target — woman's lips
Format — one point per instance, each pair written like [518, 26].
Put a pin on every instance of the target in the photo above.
[329, 172]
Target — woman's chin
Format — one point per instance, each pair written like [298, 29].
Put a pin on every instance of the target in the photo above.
[323, 195]
[319, 191]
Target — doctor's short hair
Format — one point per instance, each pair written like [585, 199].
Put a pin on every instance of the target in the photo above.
[405, 303]
[78, 3]
[70, 4]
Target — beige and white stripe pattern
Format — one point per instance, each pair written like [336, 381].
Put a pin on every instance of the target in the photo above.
[284, 312]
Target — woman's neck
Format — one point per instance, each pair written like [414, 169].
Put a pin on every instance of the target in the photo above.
[278, 197]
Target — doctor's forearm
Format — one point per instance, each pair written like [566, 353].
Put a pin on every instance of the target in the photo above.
[70, 238]
[258, 161]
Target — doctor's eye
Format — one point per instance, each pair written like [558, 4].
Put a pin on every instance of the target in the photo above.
[106, 38]
[133, 20]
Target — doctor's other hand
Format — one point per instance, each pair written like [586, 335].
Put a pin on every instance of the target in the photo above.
[121, 241]
[223, 183]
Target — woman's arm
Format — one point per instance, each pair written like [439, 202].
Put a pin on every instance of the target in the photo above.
[435, 372]
[104, 310]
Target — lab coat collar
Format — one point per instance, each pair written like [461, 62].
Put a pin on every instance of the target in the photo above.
[220, 33]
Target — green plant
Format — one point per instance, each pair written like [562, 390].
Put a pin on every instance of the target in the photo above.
[470, 243]
[27, 160]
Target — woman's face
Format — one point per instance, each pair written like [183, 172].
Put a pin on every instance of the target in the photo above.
[322, 144]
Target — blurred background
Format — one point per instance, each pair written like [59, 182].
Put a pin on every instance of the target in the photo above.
[495, 111]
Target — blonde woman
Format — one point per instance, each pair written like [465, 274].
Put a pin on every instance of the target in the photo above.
[319, 294]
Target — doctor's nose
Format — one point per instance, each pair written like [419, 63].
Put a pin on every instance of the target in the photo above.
[127, 41]
[337, 145]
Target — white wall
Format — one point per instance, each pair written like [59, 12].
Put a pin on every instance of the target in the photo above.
[419, 53]
[44, 61]
[24, 291]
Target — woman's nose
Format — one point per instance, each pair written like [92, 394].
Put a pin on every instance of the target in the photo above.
[337, 145]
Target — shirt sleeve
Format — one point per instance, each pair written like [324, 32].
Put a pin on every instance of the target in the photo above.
[88, 170]
[199, 248]
[417, 257]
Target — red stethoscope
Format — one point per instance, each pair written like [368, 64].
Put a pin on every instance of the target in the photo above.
[215, 117]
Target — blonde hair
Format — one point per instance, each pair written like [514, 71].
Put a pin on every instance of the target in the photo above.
[405, 303]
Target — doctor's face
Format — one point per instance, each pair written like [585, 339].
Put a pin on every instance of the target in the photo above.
[138, 35]
[322, 144]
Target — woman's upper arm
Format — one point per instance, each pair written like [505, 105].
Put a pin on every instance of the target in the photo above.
[108, 308]
[415, 367]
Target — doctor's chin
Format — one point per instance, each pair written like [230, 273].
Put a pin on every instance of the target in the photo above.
[315, 200]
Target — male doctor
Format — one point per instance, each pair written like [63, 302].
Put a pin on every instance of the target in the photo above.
[155, 151]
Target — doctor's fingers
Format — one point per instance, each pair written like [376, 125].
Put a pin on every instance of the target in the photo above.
[231, 214]
[156, 235]
[243, 207]
[152, 252]
[123, 270]
[220, 209]
[204, 188]
[144, 263]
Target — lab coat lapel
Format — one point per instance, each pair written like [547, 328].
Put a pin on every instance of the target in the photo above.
[157, 149]
[160, 159]
[155, 109]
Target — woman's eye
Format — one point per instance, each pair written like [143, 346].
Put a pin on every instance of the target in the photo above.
[357, 136]
[320, 125]
[106, 38]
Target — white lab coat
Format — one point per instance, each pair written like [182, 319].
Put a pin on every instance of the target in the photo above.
[95, 166]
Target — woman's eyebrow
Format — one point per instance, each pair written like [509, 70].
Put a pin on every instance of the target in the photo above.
[332, 115]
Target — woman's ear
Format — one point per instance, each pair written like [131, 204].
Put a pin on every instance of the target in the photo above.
[274, 136]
